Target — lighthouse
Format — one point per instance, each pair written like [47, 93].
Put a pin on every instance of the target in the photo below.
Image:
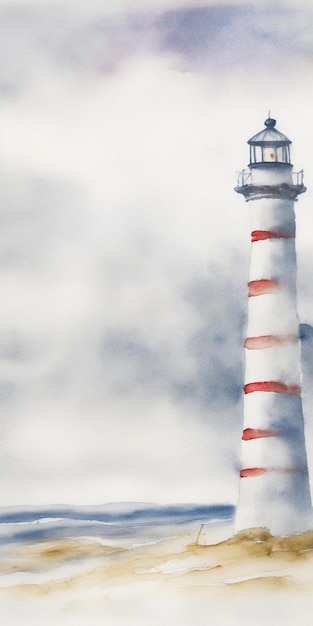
[274, 482]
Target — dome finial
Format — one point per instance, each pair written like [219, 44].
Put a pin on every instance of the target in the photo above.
[270, 122]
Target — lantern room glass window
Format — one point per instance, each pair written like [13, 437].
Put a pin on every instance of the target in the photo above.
[269, 154]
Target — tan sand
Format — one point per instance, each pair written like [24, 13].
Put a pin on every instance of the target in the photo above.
[252, 578]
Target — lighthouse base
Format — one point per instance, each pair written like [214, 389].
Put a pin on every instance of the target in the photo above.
[277, 501]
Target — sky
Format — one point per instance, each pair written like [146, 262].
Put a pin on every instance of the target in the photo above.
[124, 250]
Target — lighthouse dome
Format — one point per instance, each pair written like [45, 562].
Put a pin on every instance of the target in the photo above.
[269, 146]
[269, 135]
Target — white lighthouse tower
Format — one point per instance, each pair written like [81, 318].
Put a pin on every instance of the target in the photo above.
[274, 482]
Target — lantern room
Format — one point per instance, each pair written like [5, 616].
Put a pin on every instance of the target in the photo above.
[269, 146]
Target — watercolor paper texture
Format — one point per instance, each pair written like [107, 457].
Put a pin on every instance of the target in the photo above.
[124, 264]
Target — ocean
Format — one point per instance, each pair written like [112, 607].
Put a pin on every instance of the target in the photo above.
[125, 523]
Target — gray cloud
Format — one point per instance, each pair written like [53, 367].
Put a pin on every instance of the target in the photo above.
[228, 37]
[38, 216]
[37, 40]
[211, 349]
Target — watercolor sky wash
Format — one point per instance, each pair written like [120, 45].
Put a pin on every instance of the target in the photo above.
[125, 250]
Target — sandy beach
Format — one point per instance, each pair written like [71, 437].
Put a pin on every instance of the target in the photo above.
[213, 577]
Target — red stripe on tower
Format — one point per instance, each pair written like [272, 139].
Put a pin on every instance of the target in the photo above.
[272, 385]
[258, 471]
[258, 433]
[262, 286]
[261, 235]
[252, 471]
[269, 341]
